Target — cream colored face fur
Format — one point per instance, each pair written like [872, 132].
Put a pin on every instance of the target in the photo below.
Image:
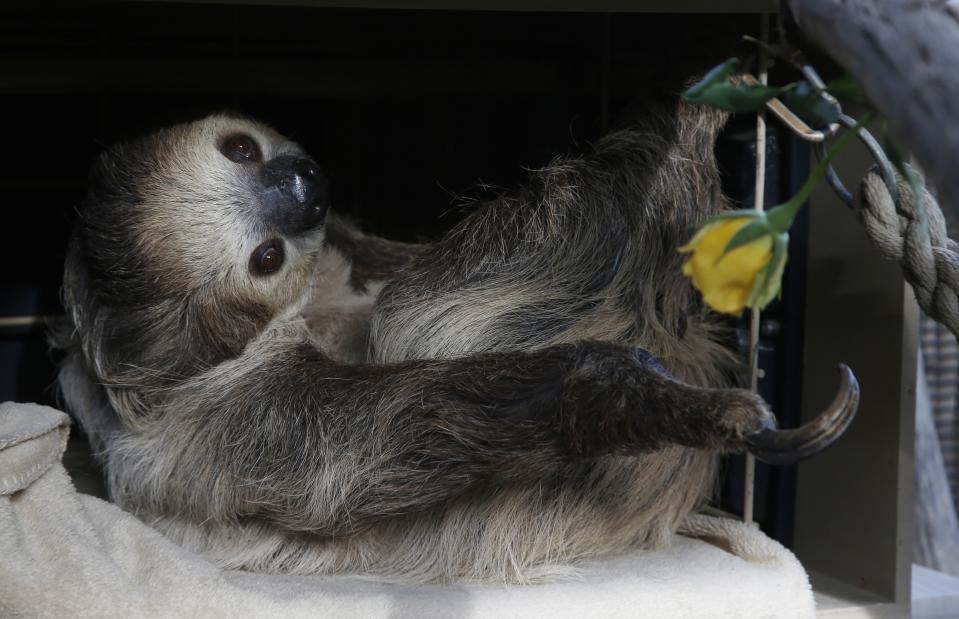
[198, 227]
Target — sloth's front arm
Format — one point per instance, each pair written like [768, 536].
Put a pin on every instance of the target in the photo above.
[286, 435]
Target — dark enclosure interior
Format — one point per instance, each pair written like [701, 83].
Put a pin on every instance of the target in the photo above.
[413, 114]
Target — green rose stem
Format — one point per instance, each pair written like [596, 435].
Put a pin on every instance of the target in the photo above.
[780, 218]
[776, 221]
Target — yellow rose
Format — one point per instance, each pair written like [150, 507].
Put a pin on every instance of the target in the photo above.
[746, 276]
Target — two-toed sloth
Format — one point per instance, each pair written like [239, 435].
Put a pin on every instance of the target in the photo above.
[271, 387]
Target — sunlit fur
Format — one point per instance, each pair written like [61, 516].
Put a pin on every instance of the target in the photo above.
[424, 413]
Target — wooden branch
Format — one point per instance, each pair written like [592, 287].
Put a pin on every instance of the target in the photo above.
[905, 55]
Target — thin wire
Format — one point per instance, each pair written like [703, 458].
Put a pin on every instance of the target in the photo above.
[24, 321]
[759, 193]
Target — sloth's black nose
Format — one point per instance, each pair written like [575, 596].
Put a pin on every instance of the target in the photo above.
[295, 194]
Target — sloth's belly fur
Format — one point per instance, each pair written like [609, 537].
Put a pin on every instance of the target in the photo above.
[516, 535]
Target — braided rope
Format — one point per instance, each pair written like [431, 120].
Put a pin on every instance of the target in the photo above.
[930, 262]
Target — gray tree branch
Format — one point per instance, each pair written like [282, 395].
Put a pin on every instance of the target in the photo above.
[905, 55]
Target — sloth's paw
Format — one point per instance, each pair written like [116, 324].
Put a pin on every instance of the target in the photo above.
[743, 414]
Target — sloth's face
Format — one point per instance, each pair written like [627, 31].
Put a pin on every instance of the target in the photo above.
[288, 195]
[223, 208]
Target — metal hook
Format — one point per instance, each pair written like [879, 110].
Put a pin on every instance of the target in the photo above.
[886, 170]
[818, 137]
[812, 76]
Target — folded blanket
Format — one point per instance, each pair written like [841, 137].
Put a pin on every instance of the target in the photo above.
[64, 554]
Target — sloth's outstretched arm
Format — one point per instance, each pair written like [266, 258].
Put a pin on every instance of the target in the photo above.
[287, 435]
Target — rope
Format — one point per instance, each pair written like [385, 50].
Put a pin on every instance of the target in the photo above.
[930, 262]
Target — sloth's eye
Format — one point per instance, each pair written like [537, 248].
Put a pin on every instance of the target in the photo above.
[240, 148]
[267, 258]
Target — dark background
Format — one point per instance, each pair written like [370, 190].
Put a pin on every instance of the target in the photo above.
[411, 113]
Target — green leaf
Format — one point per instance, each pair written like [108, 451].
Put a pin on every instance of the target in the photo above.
[738, 98]
[847, 89]
[915, 184]
[769, 278]
[716, 89]
[719, 73]
[780, 217]
[812, 106]
[750, 232]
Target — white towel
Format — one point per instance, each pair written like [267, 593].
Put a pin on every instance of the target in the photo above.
[64, 554]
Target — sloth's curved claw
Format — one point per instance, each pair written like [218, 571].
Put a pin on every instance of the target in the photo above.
[789, 446]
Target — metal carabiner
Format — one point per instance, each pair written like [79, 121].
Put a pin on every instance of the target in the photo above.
[818, 137]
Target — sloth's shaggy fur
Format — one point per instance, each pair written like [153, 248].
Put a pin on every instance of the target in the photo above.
[470, 409]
